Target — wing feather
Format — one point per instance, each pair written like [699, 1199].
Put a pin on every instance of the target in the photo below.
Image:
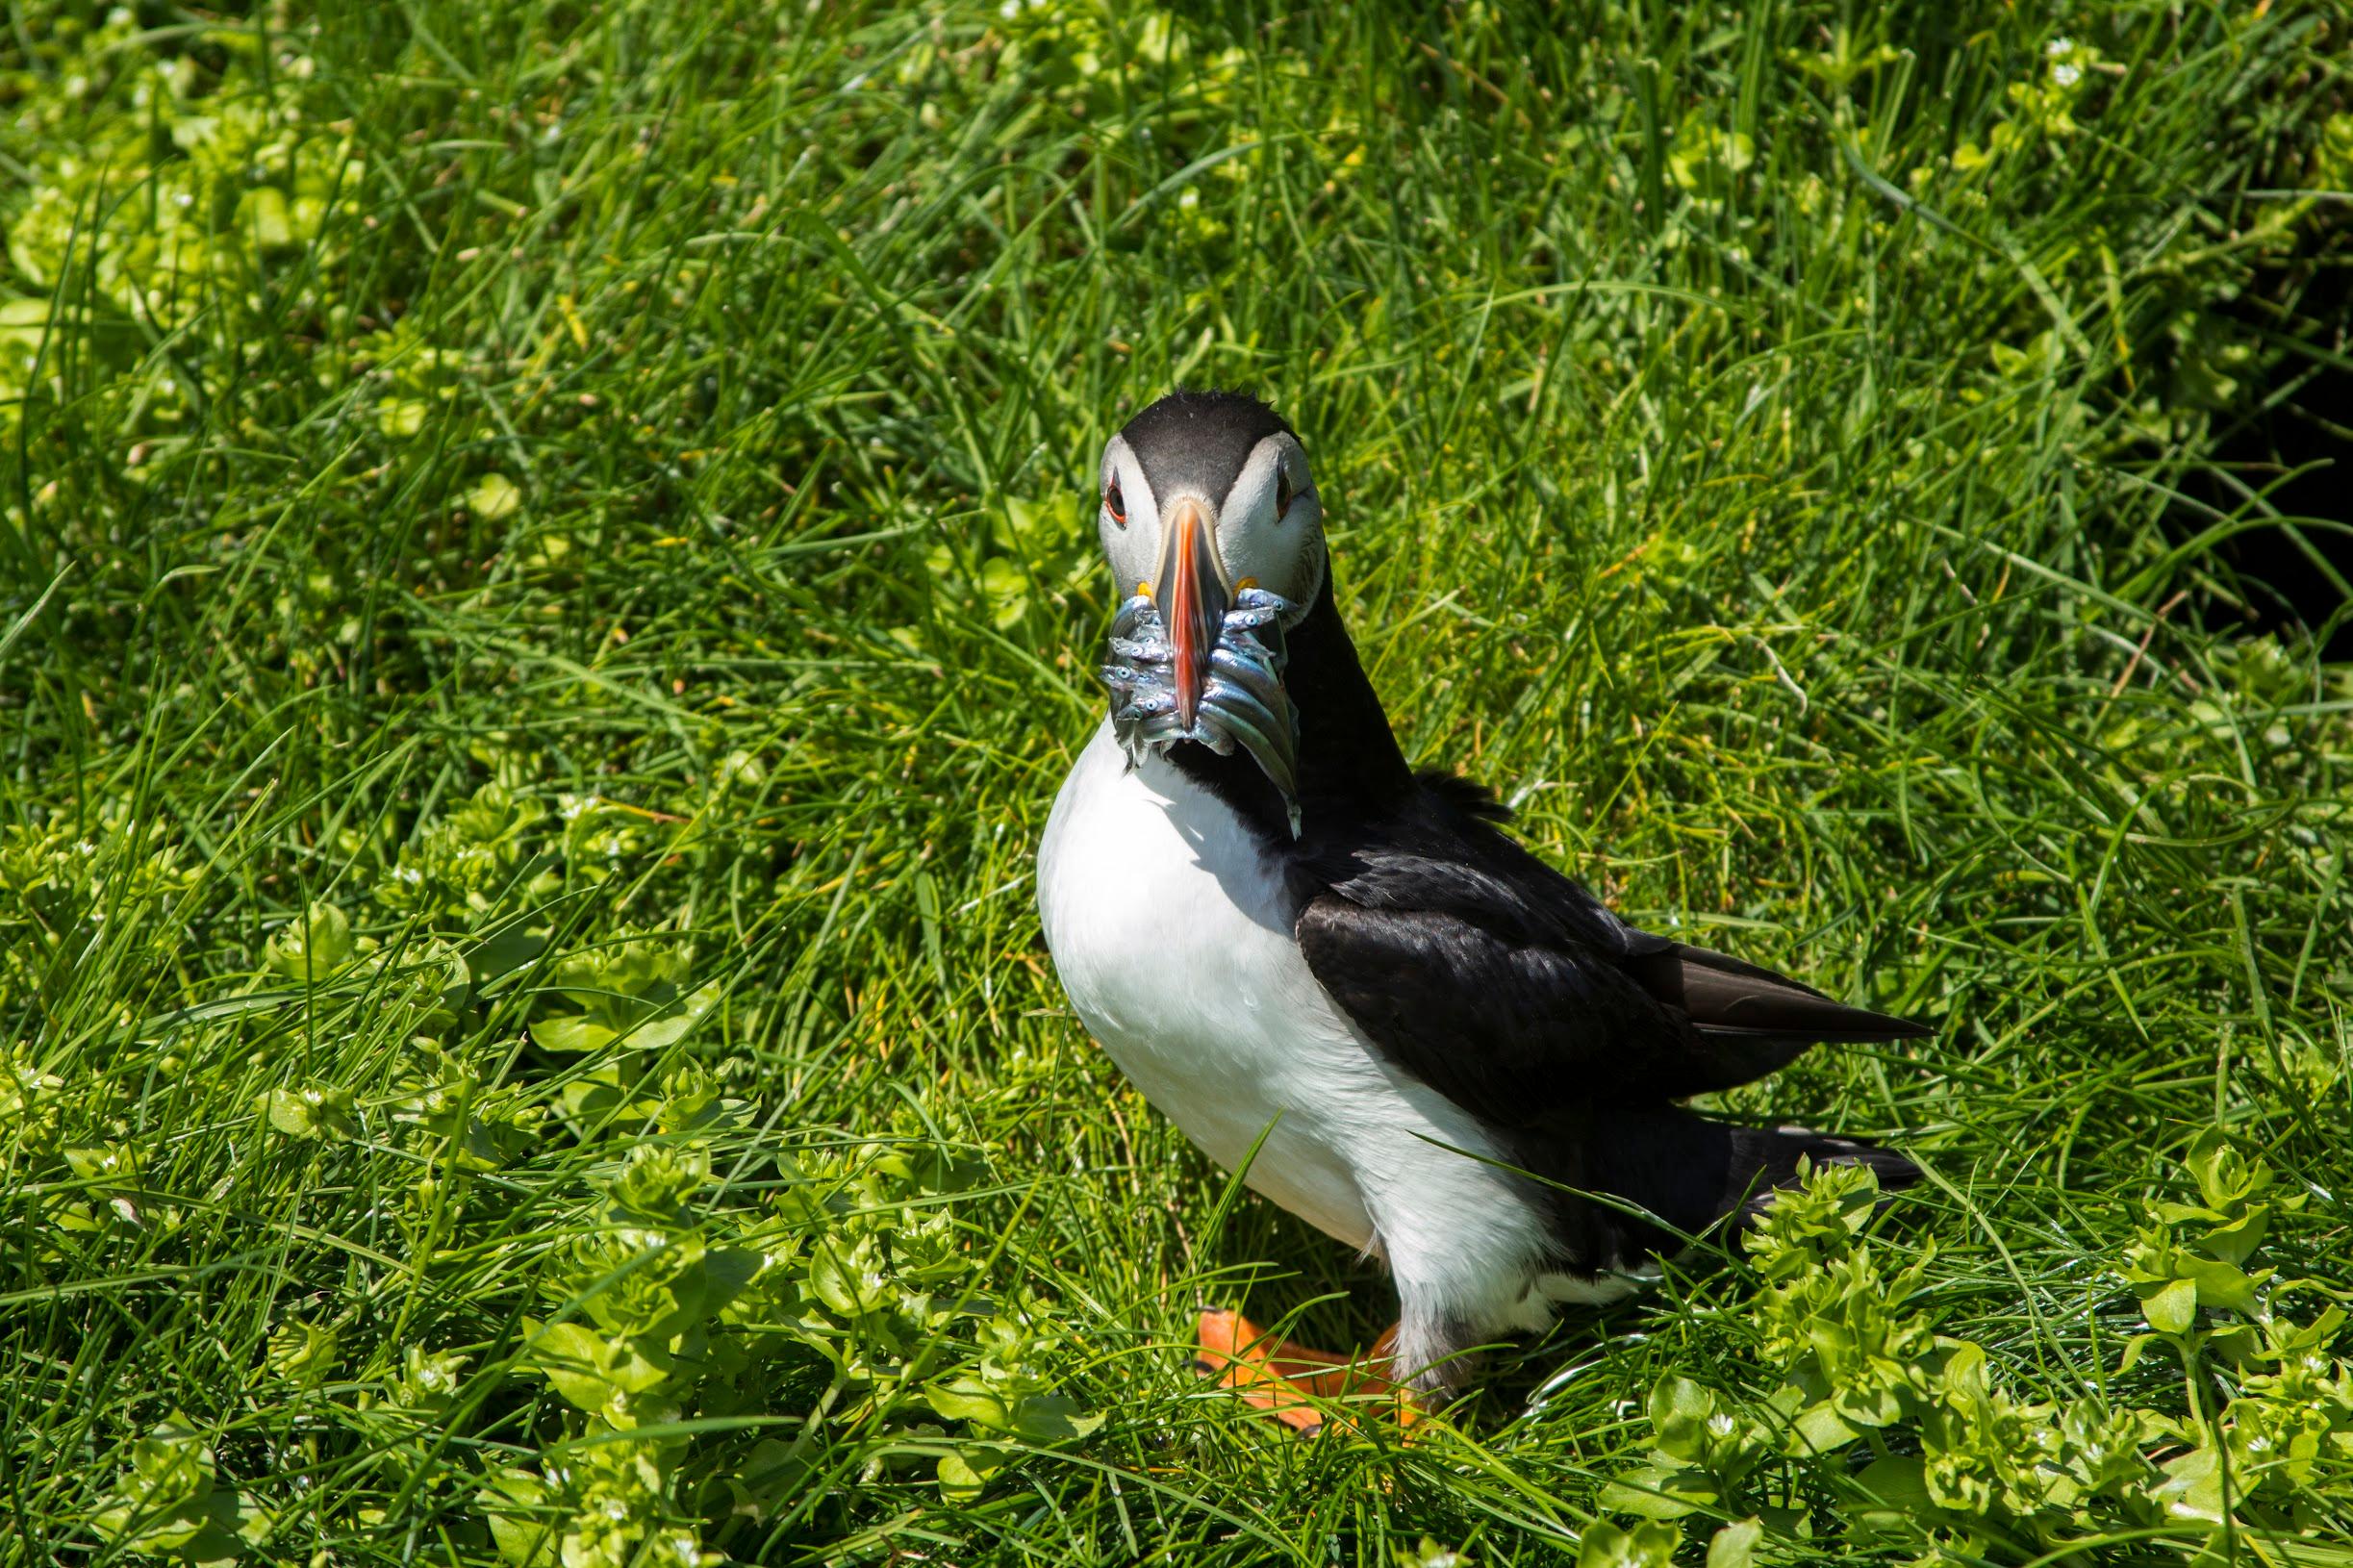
[1513, 992]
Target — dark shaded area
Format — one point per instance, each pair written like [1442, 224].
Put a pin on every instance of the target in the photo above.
[2294, 444]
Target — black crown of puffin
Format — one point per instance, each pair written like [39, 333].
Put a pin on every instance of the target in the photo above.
[1213, 529]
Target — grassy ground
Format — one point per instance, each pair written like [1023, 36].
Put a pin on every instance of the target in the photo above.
[545, 593]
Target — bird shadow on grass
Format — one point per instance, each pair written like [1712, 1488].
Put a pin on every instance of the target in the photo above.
[1286, 1276]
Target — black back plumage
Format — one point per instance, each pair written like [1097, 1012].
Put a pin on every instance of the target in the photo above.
[1511, 989]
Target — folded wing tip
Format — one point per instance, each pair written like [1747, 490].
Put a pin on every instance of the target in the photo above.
[1891, 1027]
[1857, 1028]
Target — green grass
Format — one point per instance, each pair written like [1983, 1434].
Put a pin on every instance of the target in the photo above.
[1785, 449]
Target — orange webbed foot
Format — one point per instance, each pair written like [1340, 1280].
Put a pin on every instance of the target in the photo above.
[1282, 1378]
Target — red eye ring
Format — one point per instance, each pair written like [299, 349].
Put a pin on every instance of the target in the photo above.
[1116, 504]
[1285, 494]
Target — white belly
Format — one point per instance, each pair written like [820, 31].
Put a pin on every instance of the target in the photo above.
[1173, 935]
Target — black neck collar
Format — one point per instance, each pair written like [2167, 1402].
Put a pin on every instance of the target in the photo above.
[1349, 763]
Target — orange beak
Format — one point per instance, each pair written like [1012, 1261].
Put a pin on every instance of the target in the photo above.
[1193, 600]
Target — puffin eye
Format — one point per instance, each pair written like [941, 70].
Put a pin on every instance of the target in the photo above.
[1116, 504]
[1283, 491]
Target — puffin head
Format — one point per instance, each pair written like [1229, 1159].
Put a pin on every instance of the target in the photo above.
[1214, 534]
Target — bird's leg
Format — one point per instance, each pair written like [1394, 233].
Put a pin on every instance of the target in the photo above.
[1281, 1378]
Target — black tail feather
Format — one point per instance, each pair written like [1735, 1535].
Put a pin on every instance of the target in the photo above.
[1695, 1175]
[1740, 1003]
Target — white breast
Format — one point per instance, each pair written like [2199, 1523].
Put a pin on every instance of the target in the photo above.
[1173, 935]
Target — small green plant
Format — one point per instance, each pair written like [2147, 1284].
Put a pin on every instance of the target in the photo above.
[171, 1502]
[1949, 1461]
[185, 217]
[852, 1303]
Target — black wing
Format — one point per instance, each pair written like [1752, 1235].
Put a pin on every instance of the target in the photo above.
[1510, 990]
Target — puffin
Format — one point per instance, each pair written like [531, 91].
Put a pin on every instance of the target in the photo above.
[1342, 976]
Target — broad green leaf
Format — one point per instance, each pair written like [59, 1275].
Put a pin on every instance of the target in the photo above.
[1734, 1546]
[315, 1112]
[574, 1361]
[2172, 1307]
[1818, 1428]
[2225, 1177]
[303, 1354]
[669, 1028]
[964, 1473]
[2222, 1286]
[264, 219]
[1656, 1492]
[1895, 1506]
[522, 1524]
[1050, 1417]
[600, 1097]
[313, 948]
[574, 1032]
[1898, 1482]
[493, 496]
[401, 418]
[851, 1280]
[1008, 591]
[2236, 1242]
[1645, 1546]
[2193, 1488]
[968, 1399]
[1679, 1411]
[726, 1271]
[105, 1163]
[1869, 1404]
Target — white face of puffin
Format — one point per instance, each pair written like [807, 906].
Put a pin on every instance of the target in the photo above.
[1267, 529]
[1209, 584]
